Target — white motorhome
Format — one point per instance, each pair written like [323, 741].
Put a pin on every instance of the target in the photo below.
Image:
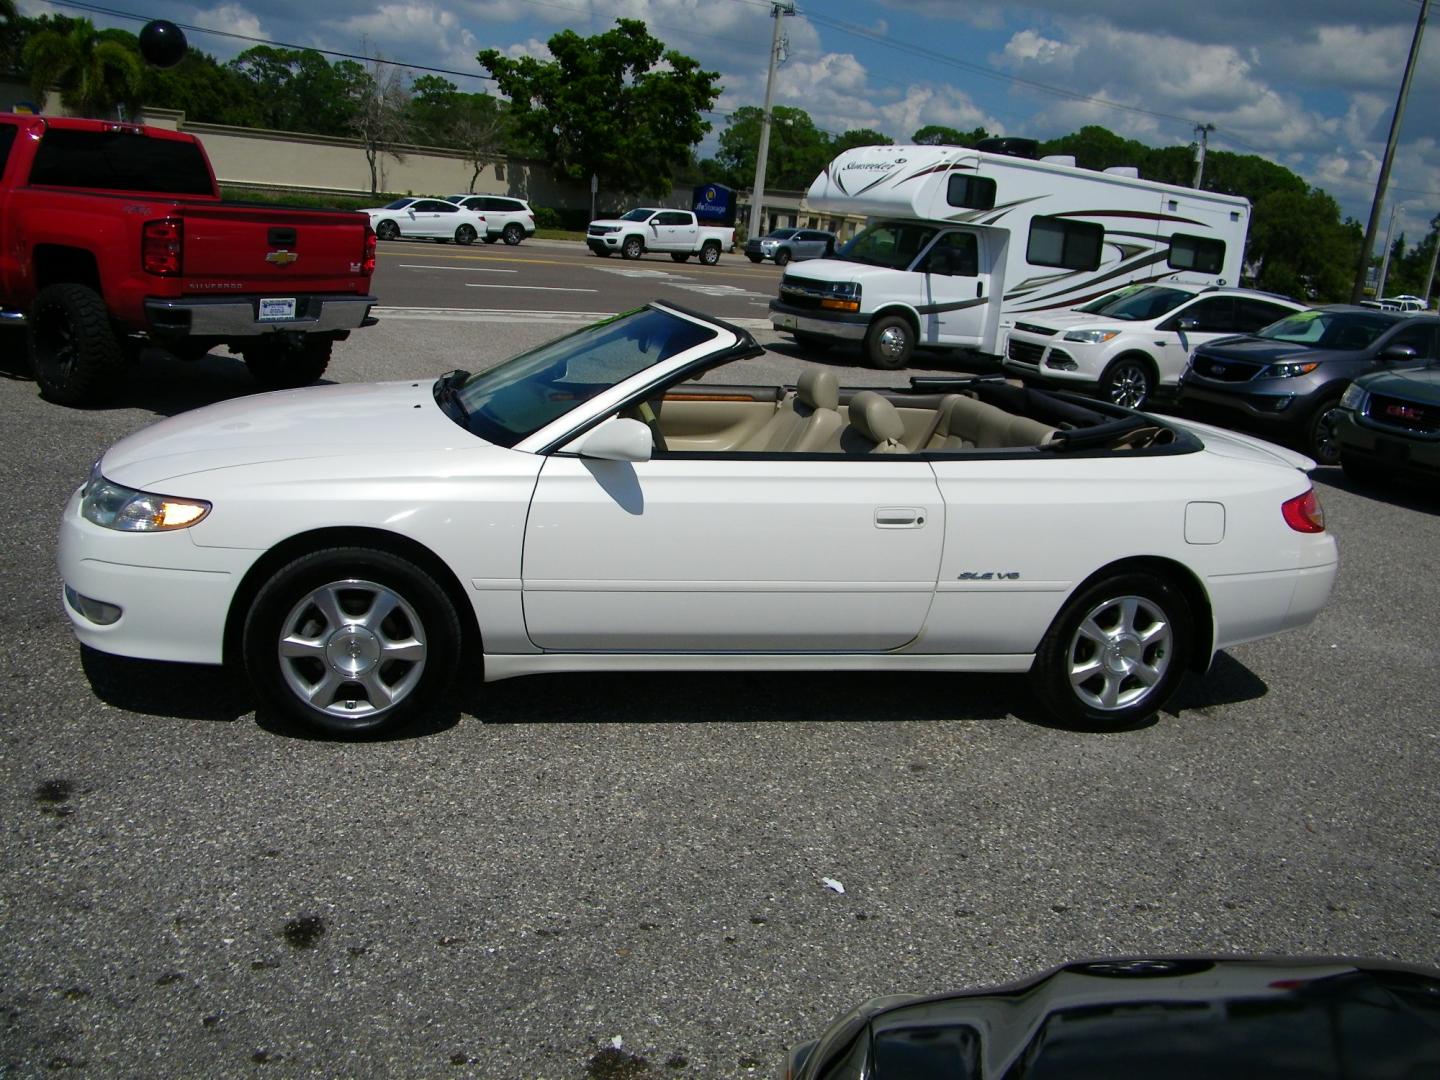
[959, 242]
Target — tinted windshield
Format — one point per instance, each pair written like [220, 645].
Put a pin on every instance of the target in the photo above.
[637, 215]
[782, 234]
[892, 243]
[1329, 329]
[519, 397]
[399, 204]
[1148, 303]
[1101, 302]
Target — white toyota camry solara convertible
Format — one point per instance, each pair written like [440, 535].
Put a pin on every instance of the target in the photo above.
[594, 505]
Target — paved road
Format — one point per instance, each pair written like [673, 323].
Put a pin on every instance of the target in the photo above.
[189, 889]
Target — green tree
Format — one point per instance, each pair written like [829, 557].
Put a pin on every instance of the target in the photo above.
[379, 105]
[299, 90]
[617, 105]
[1299, 247]
[97, 77]
[799, 150]
[857, 137]
[939, 135]
[205, 90]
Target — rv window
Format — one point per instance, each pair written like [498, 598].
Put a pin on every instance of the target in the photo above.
[971, 192]
[1197, 253]
[1073, 245]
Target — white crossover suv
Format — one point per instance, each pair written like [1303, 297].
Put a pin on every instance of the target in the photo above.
[1139, 342]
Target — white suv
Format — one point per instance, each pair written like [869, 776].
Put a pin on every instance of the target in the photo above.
[1136, 343]
[506, 219]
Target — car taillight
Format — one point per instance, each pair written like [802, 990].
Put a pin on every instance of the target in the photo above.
[1303, 513]
[162, 246]
[367, 263]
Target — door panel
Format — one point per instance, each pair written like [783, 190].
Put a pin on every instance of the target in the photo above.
[683, 554]
[956, 289]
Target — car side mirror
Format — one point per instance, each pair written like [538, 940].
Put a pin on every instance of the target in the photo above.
[620, 439]
[1393, 353]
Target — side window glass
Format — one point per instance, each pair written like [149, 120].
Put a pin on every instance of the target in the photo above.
[1199, 253]
[1419, 338]
[1215, 315]
[1072, 245]
[1254, 314]
[971, 192]
[7, 140]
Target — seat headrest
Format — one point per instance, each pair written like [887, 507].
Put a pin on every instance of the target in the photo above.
[819, 389]
[875, 418]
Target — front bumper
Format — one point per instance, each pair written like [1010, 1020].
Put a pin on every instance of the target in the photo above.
[173, 595]
[239, 316]
[1271, 408]
[1401, 451]
[605, 242]
[841, 325]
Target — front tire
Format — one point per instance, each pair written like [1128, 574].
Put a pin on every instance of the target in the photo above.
[513, 234]
[710, 254]
[275, 365]
[1115, 654]
[889, 343]
[75, 355]
[782, 257]
[632, 248]
[1321, 442]
[351, 641]
[387, 230]
[465, 235]
[1128, 382]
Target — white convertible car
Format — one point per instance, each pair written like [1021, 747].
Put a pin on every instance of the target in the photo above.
[592, 506]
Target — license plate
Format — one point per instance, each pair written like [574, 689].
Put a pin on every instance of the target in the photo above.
[787, 321]
[277, 308]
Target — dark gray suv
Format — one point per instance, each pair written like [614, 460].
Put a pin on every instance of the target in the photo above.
[1285, 380]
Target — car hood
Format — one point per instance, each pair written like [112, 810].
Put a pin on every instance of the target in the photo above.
[1420, 383]
[1070, 320]
[1264, 351]
[1232, 444]
[357, 420]
[828, 270]
[617, 223]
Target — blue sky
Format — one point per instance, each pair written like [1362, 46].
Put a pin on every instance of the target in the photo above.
[1308, 83]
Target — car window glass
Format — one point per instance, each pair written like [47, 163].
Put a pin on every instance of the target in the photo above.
[121, 161]
[955, 253]
[7, 140]
[638, 214]
[1212, 315]
[1419, 338]
[1253, 314]
[1148, 303]
[1330, 329]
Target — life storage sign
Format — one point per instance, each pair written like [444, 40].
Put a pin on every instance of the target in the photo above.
[714, 204]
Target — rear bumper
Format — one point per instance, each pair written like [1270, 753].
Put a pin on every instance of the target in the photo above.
[239, 316]
[840, 325]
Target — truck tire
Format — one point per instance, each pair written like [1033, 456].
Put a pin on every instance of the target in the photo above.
[710, 254]
[632, 248]
[889, 342]
[680, 256]
[74, 353]
[276, 365]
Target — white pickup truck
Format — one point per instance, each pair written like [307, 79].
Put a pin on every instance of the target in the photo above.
[648, 229]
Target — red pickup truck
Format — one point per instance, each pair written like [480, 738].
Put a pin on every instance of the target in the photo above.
[113, 238]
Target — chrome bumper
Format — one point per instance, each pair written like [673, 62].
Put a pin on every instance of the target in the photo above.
[821, 327]
[235, 316]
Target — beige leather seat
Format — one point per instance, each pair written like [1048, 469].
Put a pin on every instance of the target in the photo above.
[805, 421]
[967, 424]
[875, 427]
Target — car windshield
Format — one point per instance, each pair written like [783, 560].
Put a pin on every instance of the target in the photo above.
[399, 204]
[1144, 304]
[891, 243]
[1329, 329]
[637, 215]
[1101, 302]
[519, 397]
[782, 234]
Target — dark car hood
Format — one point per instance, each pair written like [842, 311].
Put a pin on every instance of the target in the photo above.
[1264, 351]
[1417, 383]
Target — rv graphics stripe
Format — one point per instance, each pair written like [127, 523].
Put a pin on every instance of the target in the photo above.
[1059, 297]
[936, 309]
[1141, 214]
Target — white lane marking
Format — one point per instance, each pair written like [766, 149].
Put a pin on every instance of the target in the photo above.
[462, 269]
[625, 271]
[510, 315]
[532, 288]
[681, 281]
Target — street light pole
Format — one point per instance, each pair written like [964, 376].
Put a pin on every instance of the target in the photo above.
[757, 192]
[1203, 130]
[1358, 292]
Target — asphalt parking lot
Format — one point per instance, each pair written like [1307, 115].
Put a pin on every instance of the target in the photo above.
[590, 877]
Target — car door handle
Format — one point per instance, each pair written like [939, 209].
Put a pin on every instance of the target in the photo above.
[899, 517]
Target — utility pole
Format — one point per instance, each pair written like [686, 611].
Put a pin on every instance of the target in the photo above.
[757, 193]
[1430, 277]
[1385, 262]
[1202, 130]
[1358, 292]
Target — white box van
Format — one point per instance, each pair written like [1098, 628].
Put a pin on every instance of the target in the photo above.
[961, 241]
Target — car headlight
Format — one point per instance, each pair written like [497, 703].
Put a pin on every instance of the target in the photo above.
[1354, 398]
[115, 506]
[1291, 370]
[842, 296]
[1090, 337]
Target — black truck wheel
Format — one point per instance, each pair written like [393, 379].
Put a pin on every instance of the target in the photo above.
[74, 352]
[278, 365]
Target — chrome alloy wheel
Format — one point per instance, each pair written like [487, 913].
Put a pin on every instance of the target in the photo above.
[1119, 653]
[352, 648]
[1129, 386]
[893, 342]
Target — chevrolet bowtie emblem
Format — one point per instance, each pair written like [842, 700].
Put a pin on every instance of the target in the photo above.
[282, 257]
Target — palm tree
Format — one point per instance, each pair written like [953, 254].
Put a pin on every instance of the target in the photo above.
[96, 76]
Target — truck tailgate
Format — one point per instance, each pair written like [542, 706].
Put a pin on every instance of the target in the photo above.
[243, 248]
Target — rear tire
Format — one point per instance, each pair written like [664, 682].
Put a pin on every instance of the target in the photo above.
[513, 234]
[1115, 654]
[351, 641]
[889, 343]
[75, 355]
[387, 230]
[710, 254]
[276, 366]
[465, 235]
